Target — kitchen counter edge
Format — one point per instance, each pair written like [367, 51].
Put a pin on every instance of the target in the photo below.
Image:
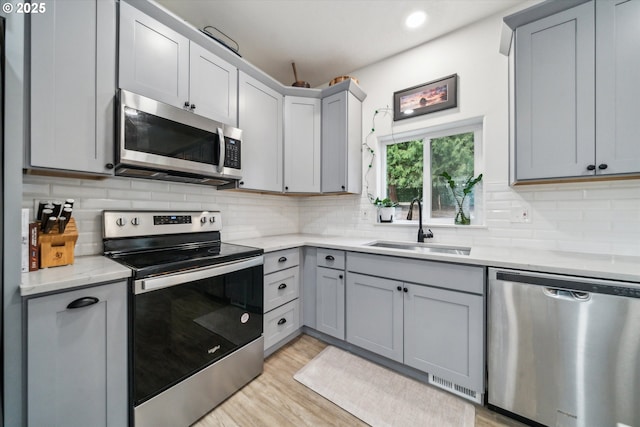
[600, 266]
[85, 271]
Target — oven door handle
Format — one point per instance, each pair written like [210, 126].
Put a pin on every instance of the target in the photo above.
[153, 283]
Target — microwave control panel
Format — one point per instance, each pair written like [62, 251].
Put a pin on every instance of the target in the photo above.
[232, 156]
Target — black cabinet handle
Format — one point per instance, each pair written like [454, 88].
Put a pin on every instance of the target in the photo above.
[329, 258]
[340, 276]
[282, 259]
[286, 188]
[193, 106]
[109, 165]
[603, 166]
[282, 321]
[343, 187]
[241, 183]
[591, 167]
[186, 104]
[399, 288]
[83, 302]
[405, 289]
[282, 286]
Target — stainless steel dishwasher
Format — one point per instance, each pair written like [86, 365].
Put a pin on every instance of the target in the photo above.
[562, 350]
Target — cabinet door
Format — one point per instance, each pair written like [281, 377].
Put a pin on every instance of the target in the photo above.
[444, 334]
[260, 118]
[77, 359]
[73, 54]
[330, 302]
[374, 315]
[334, 143]
[554, 72]
[302, 144]
[618, 87]
[213, 86]
[154, 59]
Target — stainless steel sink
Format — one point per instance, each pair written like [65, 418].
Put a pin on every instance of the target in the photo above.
[422, 248]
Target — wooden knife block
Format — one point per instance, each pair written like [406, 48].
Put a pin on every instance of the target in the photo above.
[57, 249]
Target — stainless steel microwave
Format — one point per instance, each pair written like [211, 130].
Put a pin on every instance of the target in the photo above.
[160, 141]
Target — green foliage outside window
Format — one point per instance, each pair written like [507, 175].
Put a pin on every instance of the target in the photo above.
[405, 170]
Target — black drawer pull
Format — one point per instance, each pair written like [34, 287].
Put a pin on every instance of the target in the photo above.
[340, 276]
[282, 259]
[329, 258]
[83, 302]
[405, 289]
[399, 288]
[282, 321]
[591, 167]
[602, 166]
[282, 286]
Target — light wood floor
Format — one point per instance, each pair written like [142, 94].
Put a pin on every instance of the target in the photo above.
[276, 399]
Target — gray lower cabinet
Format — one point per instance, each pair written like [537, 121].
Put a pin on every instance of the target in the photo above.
[427, 315]
[281, 321]
[73, 83]
[77, 358]
[330, 292]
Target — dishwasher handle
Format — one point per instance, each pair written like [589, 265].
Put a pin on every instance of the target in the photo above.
[565, 294]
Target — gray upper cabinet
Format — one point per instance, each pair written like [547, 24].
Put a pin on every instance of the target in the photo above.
[159, 63]
[554, 66]
[617, 86]
[302, 118]
[576, 92]
[260, 110]
[73, 83]
[341, 143]
[154, 59]
[77, 358]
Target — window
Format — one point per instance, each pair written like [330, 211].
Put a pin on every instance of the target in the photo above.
[411, 165]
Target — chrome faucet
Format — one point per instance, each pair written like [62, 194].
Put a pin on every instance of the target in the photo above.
[421, 233]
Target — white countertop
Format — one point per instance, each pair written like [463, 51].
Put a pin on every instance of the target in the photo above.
[92, 270]
[613, 267]
[85, 271]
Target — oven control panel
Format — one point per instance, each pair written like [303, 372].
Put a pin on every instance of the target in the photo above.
[149, 223]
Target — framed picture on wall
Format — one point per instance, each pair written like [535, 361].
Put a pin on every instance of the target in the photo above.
[426, 98]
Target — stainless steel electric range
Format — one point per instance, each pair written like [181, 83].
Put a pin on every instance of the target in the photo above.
[196, 312]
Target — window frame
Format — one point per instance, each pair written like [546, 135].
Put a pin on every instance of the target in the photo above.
[475, 125]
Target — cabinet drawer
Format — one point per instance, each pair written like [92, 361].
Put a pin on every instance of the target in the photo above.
[330, 258]
[281, 322]
[275, 261]
[281, 287]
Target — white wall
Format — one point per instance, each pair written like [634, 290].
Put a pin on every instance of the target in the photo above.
[244, 215]
[597, 217]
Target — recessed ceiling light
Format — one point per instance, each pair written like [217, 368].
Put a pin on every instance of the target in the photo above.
[415, 19]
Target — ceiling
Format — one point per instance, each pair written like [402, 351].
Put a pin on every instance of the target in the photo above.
[329, 38]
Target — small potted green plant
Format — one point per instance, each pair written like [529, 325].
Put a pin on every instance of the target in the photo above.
[460, 193]
[386, 209]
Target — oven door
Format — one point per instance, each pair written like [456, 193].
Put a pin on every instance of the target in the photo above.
[184, 322]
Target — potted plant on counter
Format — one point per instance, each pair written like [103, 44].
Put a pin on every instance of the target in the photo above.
[386, 209]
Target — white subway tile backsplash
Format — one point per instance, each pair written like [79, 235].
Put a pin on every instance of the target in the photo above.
[598, 217]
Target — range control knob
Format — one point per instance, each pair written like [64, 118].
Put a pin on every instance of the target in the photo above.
[203, 220]
[135, 221]
[212, 219]
[121, 222]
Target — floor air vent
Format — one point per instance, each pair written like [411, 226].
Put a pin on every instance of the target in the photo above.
[455, 389]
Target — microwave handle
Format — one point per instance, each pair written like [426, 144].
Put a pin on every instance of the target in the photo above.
[222, 147]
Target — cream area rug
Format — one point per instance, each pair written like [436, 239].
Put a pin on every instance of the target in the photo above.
[379, 396]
